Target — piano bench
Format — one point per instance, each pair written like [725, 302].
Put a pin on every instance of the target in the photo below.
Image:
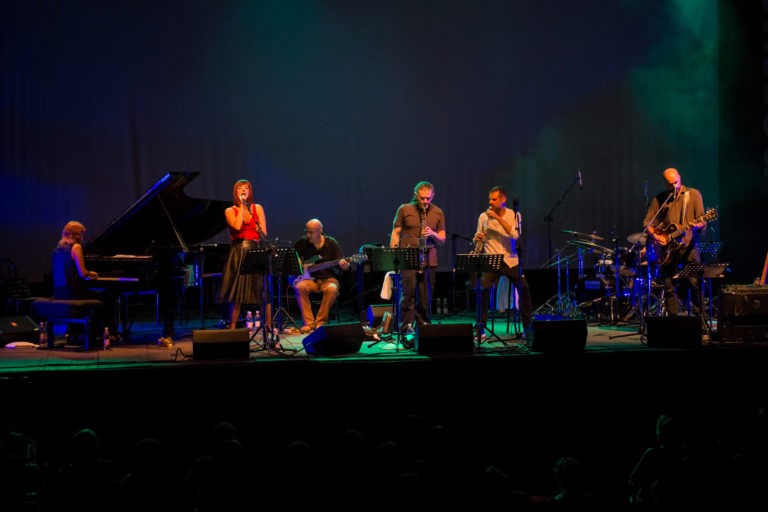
[75, 311]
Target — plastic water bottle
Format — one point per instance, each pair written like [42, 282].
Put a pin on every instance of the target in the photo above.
[43, 334]
[257, 321]
[249, 321]
[107, 339]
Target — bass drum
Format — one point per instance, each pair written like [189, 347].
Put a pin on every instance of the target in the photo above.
[590, 290]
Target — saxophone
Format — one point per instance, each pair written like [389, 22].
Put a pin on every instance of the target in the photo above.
[480, 244]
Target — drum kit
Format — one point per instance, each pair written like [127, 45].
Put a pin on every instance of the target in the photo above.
[620, 284]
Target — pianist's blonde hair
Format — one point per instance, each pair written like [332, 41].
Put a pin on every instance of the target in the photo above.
[235, 197]
[71, 234]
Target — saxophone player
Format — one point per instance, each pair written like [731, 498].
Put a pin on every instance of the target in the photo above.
[498, 231]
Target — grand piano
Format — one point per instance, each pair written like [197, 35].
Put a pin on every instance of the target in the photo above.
[156, 245]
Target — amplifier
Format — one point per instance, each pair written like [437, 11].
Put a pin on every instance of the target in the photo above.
[743, 300]
[743, 312]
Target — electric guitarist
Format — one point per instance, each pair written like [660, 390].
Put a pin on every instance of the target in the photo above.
[315, 246]
[674, 222]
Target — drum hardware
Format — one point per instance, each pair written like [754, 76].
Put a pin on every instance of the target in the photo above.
[591, 245]
[593, 236]
[637, 238]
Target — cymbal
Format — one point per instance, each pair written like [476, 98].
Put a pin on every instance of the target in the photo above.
[583, 235]
[635, 237]
[590, 245]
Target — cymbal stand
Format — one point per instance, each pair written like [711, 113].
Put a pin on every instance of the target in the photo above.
[639, 298]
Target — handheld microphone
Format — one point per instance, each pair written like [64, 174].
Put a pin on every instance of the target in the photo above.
[581, 183]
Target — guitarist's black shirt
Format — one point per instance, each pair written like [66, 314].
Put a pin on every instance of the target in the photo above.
[675, 214]
[330, 251]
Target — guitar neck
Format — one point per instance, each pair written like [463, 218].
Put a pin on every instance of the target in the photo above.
[323, 266]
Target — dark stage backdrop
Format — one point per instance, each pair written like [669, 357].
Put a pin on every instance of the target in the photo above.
[335, 109]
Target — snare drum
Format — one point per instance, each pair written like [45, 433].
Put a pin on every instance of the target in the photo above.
[627, 263]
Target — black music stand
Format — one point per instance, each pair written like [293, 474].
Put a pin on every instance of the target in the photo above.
[703, 271]
[286, 263]
[385, 260]
[257, 261]
[480, 263]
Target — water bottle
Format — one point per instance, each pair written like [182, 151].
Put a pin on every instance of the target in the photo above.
[445, 306]
[43, 333]
[249, 321]
[107, 339]
[257, 321]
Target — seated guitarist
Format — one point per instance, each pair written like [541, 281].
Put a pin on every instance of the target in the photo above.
[674, 222]
[323, 251]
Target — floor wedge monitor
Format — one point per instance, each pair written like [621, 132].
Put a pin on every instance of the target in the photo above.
[445, 339]
[334, 340]
[221, 344]
[559, 335]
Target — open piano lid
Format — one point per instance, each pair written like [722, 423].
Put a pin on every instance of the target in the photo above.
[162, 218]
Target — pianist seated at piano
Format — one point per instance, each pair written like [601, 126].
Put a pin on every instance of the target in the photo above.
[71, 279]
[247, 226]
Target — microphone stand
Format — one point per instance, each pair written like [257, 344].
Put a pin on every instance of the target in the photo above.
[549, 218]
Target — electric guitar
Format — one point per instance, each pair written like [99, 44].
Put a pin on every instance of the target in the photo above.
[668, 239]
[314, 267]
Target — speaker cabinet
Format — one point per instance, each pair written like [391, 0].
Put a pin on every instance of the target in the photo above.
[559, 335]
[445, 339]
[18, 328]
[221, 344]
[673, 331]
[334, 340]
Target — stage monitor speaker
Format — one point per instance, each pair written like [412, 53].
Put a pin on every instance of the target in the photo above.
[221, 344]
[18, 328]
[673, 331]
[334, 340]
[445, 339]
[559, 335]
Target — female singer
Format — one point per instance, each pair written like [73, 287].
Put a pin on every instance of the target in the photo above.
[247, 225]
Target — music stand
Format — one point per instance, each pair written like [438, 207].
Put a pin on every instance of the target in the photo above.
[286, 263]
[384, 260]
[479, 263]
[703, 271]
[257, 261]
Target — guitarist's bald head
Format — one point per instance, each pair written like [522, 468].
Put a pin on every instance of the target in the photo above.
[672, 177]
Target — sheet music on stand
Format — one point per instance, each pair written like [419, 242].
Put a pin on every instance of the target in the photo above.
[256, 261]
[479, 262]
[394, 261]
[705, 270]
[287, 262]
[383, 259]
